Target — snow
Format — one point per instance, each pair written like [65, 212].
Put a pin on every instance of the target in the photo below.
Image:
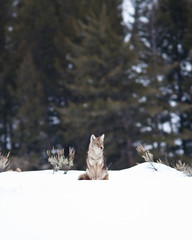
[136, 203]
[127, 12]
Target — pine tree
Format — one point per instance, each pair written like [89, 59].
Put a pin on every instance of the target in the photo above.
[102, 86]
[35, 28]
[174, 30]
[159, 30]
[5, 76]
[30, 133]
[151, 69]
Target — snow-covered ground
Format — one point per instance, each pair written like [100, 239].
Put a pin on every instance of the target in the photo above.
[136, 203]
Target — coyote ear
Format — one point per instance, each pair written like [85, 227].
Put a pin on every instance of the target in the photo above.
[102, 137]
[92, 137]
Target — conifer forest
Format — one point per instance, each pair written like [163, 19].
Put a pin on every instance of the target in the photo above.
[72, 68]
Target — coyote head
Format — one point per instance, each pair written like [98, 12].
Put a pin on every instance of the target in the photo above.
[97, 142]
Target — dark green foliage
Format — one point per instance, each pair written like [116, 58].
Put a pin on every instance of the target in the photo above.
[30, 112]
[5, 80]
[166, 56]
[66, 72]
[103, 91]
[173, 23]
[37, 85]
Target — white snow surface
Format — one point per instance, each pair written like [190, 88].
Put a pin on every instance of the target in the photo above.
[136, 203]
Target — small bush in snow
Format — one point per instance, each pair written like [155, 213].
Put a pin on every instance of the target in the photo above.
[146, 155]
[4, 162]
[59, 161]
[185, 168]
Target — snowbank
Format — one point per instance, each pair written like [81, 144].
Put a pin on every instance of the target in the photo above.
[136, 203]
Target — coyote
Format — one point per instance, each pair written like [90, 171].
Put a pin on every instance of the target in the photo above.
[95, 160]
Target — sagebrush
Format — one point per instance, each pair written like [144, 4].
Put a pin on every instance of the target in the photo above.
[148, 157]
[4, 162]
[59, 161]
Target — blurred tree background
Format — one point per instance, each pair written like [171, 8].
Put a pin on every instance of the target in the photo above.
[72, 68]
